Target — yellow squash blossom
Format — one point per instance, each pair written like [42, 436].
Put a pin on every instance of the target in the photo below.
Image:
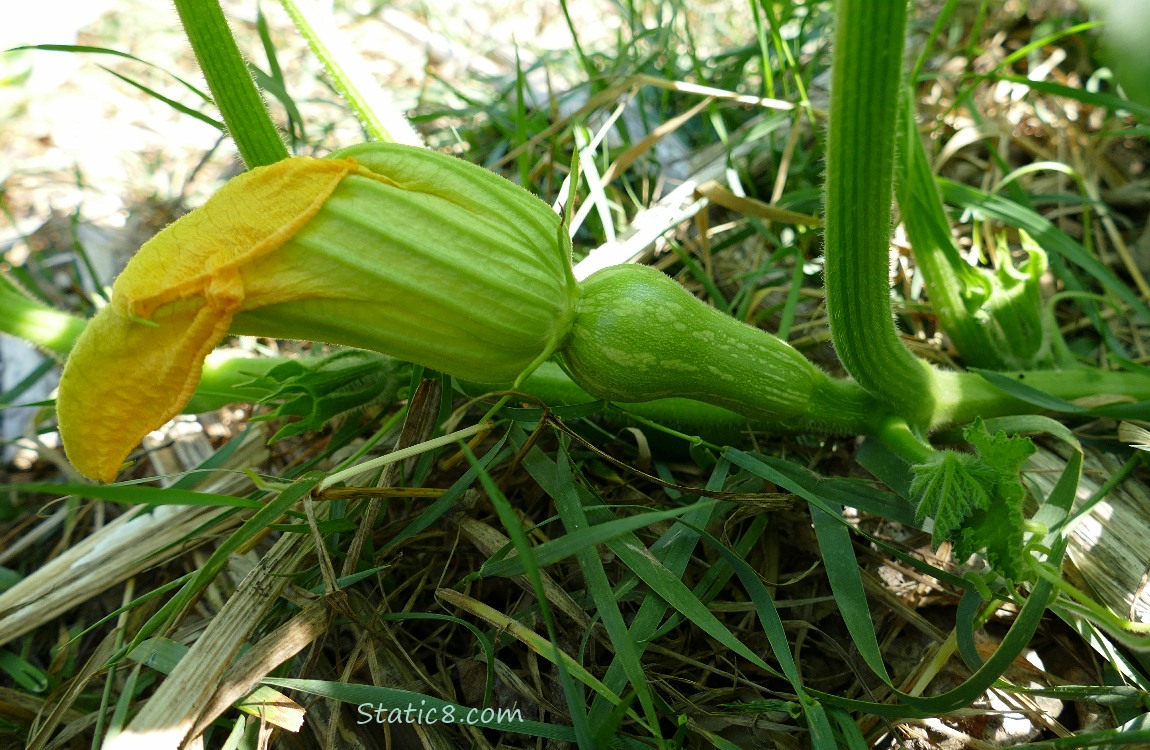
[386, 247]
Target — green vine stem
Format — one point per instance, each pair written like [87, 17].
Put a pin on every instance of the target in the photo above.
[954, 286]
[233, 89]
[897, 435]
[382, 120]
[45, 327]
[865, 79]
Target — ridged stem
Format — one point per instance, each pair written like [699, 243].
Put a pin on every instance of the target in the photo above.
[866, 75]
[836, 406]
[233, 89]
[945, 273]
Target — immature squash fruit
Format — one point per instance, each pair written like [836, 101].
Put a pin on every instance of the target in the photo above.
[638, 336]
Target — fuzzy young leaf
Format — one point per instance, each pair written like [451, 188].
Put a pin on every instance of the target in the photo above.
[976, 500]
[998, 530]
[997, 533]
[1002, 453]
[951, 486]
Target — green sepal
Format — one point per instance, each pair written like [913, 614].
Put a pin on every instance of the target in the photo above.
[1013, 314]
[315, 393]
[995, 318]
[950, 487]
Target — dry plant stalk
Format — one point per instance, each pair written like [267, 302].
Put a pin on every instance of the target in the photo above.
[177, 706]
[130, 544]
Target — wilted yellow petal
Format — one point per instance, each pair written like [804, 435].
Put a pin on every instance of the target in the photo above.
[250, 216]
[138, 361]
[125, 377]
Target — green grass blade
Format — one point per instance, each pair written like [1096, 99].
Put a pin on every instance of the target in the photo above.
[574, 518]
[158, 591]
[851, 734]
[1030, 395]
[582, 538]
[924, 54]
[181, 108]
[136, 494]
[668, 585]
[248, 531]
[1043, 400]
[589, 68]
[88, 49]
[846, 582]
[673, 549]
[575, 702]
[965, 615]
[521, 133]
[1037, 45]
[23, 673]
[822, 736]
[436, 510]
[484, 642]
[1121, 737]
[1015, 641]
[215, 462]
[1094, 98]
[274, 83]
[772, 470]
[122, 709]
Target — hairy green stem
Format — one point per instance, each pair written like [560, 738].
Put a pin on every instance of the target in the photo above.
[380, 117]
[233, 89]
[40, 325]
[896, 434]
[993, 318]
[969, 395]
[866, 75]
[954, 286]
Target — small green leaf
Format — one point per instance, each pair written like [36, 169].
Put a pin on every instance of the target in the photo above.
[997, 532]
[1004, 454]
[950, 487]
[976, 500]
